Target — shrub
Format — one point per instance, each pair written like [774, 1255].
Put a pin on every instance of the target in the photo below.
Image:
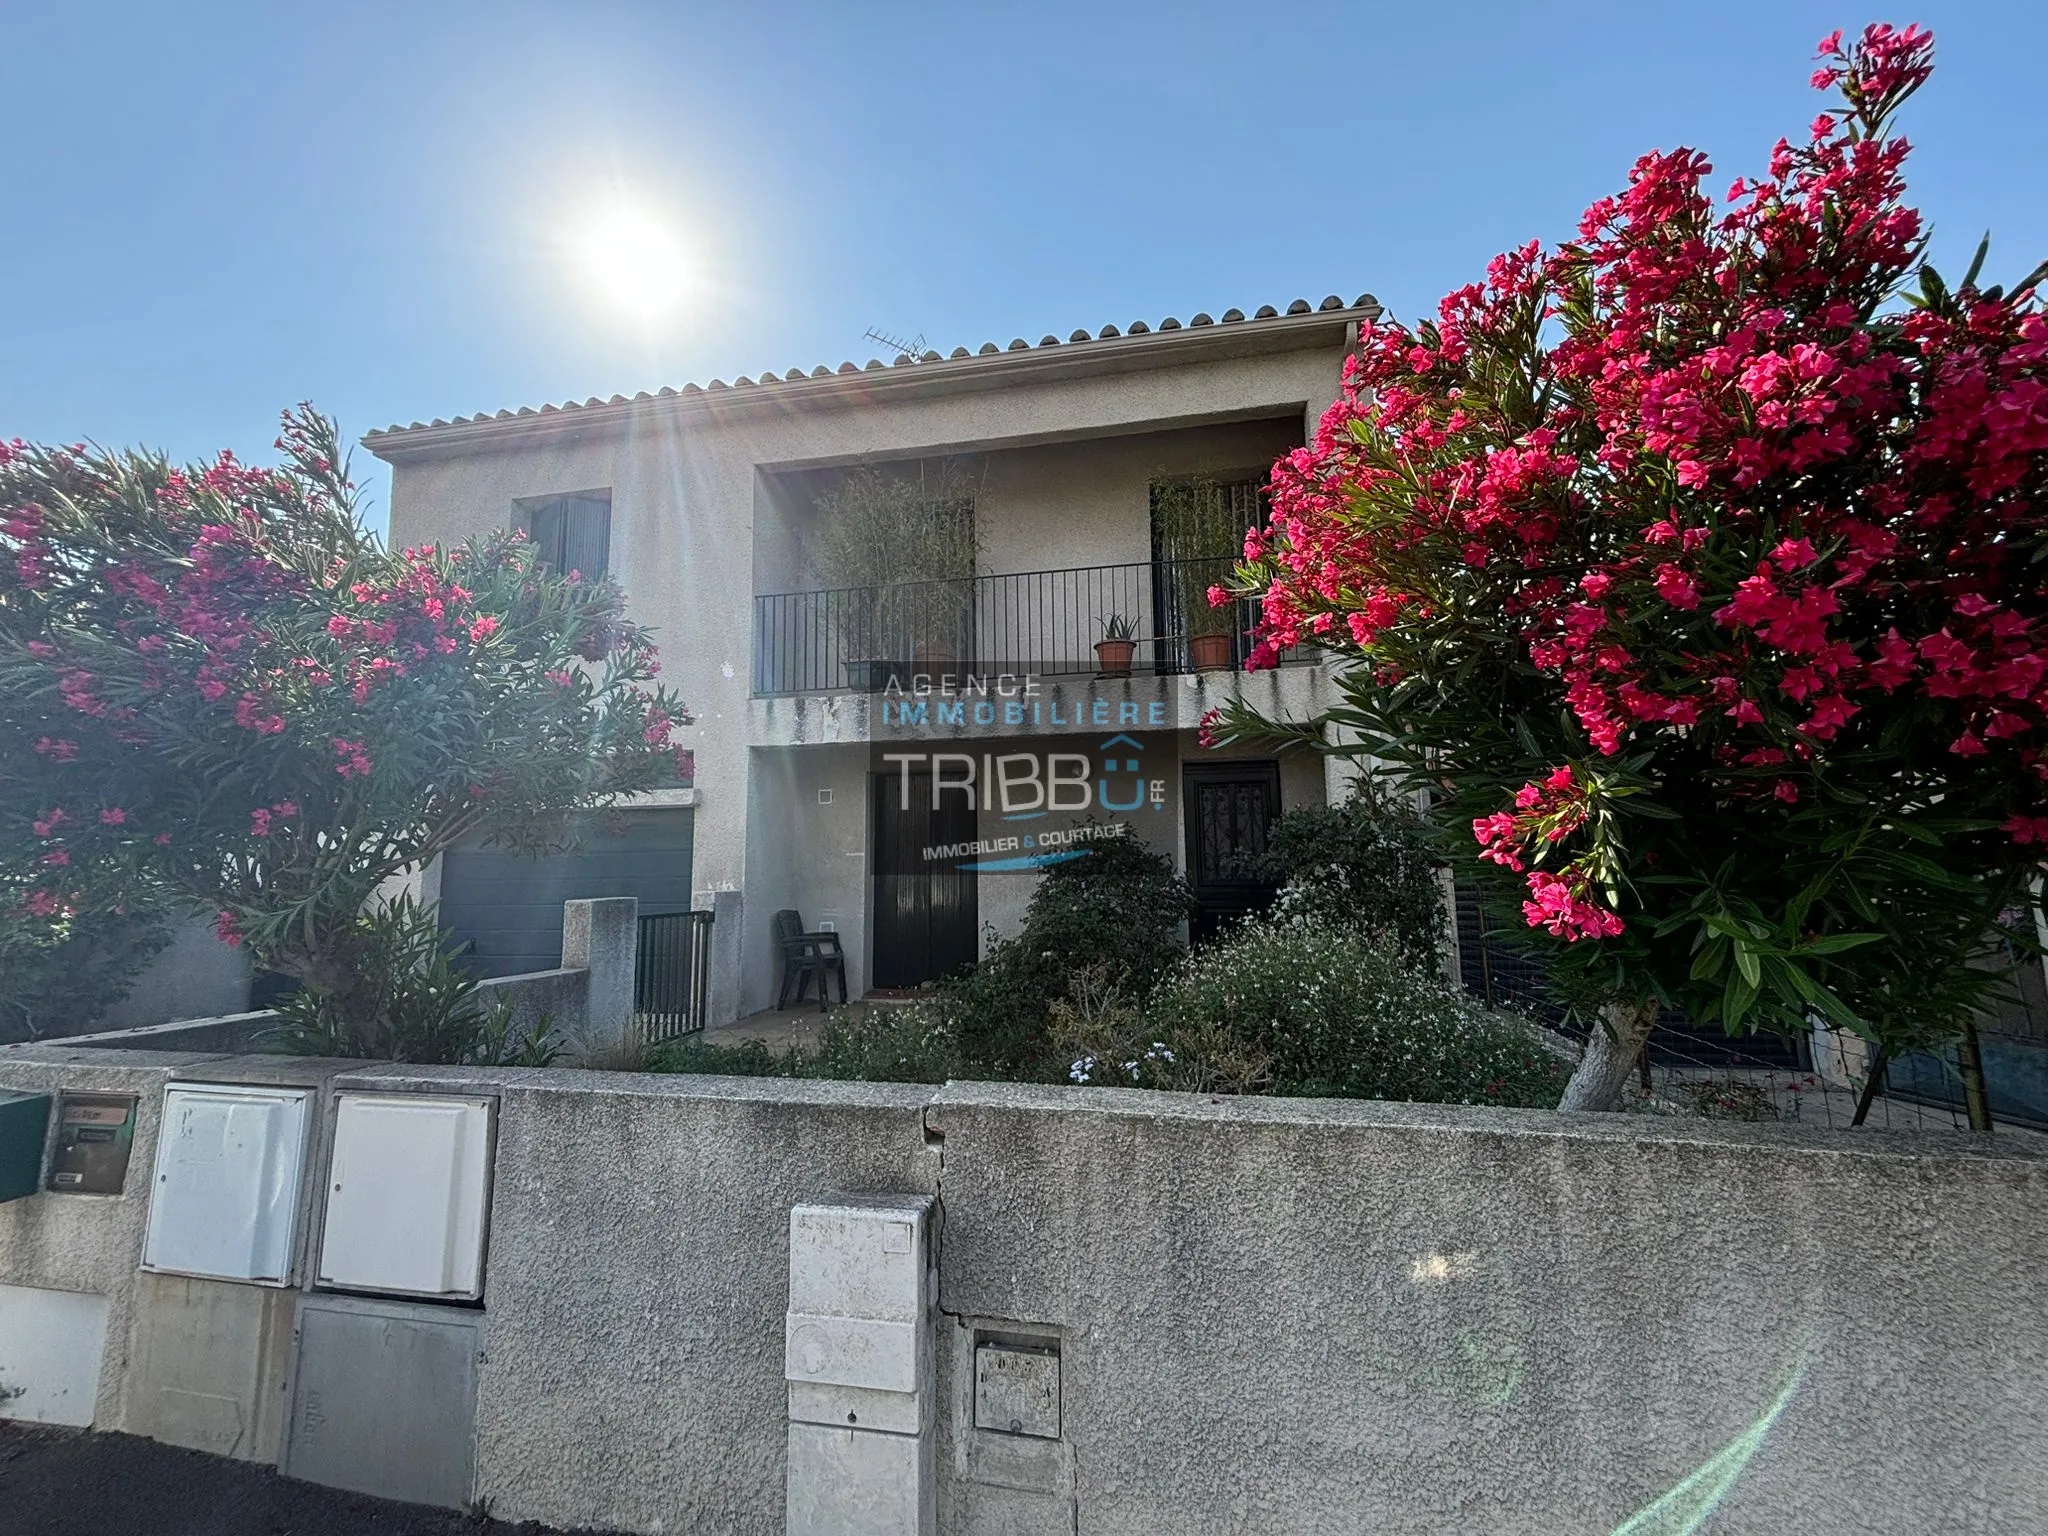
[1342, 1014]
[59, 978]
[750, 1058]
[910, 1044]
[218, 686]
[417, 1005]
[914, 1043]
[1105, 1038]
[1366, 864]
[1118, 910]
[1723, 1099]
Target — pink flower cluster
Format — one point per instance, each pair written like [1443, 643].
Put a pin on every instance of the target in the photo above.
[260, 819]
[1546, 814]
[1754, 513]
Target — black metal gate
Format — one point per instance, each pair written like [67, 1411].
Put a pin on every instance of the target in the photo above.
[672, 975]
[1229, 808]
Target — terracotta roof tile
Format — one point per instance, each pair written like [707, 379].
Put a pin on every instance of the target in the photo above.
[1364, 302]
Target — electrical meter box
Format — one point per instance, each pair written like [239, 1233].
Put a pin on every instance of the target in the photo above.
[383, 1399]
[225, 1200]
[95, 1134]
[24, 1123]
[52, 1344]
[408, 1199]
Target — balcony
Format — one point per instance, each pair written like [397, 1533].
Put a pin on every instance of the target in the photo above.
[1040, 622]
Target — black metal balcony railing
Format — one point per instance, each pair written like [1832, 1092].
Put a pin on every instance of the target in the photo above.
[1042, 622]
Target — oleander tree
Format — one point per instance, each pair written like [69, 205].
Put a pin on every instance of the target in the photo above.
[1700, 567]
[217, 685]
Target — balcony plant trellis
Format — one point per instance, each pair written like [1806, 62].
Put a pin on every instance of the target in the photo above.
[1198, 529]
[905, 549]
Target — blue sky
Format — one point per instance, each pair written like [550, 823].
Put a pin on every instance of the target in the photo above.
[215, 210]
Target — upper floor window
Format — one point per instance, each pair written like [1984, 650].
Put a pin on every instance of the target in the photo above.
[574, 532]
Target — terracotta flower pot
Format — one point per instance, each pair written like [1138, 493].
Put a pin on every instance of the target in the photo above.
[1210, 653]
[1113, 657]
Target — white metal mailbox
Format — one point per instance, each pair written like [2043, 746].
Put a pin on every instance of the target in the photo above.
[225, 1199]
[409, 1195]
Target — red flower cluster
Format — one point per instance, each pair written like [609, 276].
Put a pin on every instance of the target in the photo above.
[1747, 502]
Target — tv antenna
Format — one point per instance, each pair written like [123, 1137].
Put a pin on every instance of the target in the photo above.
[912, 348]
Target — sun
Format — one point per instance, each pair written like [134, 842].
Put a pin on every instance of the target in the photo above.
[633, 261]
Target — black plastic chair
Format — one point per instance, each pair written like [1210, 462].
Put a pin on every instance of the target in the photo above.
[805, 955]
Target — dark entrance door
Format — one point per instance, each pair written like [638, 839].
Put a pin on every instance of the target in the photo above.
[926, 920]
[1230, 808]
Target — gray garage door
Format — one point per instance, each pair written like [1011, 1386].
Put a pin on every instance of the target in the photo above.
[509, 907]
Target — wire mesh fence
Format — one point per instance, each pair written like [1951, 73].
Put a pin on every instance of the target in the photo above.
[1816, 1078]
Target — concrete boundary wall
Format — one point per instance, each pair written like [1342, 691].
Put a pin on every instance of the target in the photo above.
[1322, 1316]
[232, 1034]
[586, 1002]
[1266, 1315]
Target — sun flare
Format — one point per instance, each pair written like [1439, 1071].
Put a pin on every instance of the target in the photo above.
[634, 261]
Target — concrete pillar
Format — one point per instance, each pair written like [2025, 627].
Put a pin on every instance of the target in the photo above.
[722, 995]
[601, 937]
[858, 1360]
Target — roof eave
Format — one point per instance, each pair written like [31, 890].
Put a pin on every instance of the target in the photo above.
[1117, 354]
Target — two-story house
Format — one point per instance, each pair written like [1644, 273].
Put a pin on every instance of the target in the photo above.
[897, 761]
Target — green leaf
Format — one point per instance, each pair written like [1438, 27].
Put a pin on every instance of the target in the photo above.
[1977, 262]
[1835, 943]
[1746, 962]
[1707, 964]
[1736, 1000]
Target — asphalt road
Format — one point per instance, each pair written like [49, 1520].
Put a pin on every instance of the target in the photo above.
[67, 1482]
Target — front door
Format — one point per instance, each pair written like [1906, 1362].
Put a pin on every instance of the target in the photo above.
[925, 915]
[1230, 807]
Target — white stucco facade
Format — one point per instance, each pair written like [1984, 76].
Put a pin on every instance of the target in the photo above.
[713, 498]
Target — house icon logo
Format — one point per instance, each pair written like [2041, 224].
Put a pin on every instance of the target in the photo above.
[1105, 786]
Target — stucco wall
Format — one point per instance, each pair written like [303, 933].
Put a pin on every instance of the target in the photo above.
[195, 976]
[90, 1243]
[638, 1277]
[1272, 1315]
[161, 1333]
[806, 855]
[1330, 1317]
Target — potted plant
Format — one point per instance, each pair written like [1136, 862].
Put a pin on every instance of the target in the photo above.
[902, 549]
[1119, 643]
[1212, 636]
[855, 616]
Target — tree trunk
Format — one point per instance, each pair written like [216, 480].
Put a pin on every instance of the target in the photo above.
[338, 969]
[1970, 1060]
[1611, 1053]
[1873, 1079]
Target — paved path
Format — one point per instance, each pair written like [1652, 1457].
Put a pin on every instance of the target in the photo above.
[66, 1482]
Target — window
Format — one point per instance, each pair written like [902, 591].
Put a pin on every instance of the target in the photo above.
[574, 532]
